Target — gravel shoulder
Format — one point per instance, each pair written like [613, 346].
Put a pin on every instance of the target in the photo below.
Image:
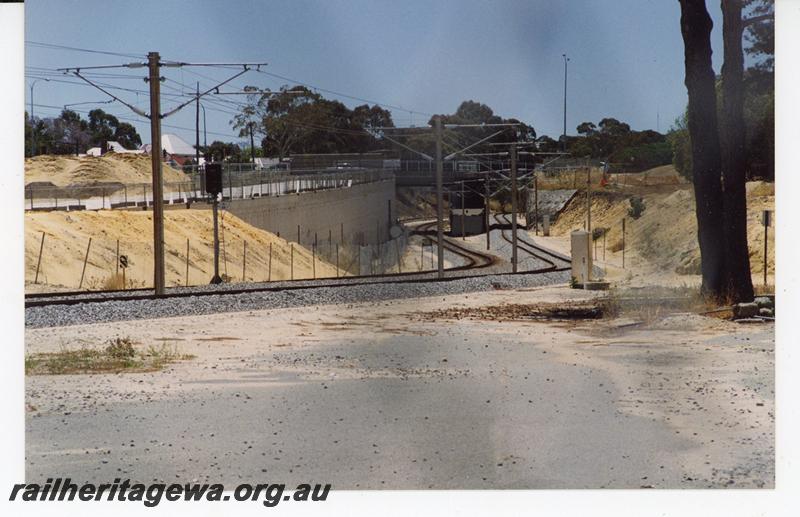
[381, 395]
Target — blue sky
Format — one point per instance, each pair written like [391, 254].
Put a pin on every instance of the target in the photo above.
[626, 56]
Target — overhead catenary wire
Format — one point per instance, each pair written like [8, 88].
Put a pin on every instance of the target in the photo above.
[53, 46]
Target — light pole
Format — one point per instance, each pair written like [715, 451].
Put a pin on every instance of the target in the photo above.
[564, 134]
[33, 129]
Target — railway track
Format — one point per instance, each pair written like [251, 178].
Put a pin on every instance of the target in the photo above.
[555, 261]
[473, 260]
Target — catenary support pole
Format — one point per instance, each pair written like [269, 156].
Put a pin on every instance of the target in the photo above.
[536, 203]
[197, 131]
[514, 207]
[487, 220]
[439, 198]
[155, 156]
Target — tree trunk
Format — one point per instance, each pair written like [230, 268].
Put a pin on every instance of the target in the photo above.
[739, 284]
[696, 27]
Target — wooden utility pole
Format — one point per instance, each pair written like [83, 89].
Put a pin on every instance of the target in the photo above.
[439, 197]
[252, 144]
[514, 208]
[197, 131]
[155, 156]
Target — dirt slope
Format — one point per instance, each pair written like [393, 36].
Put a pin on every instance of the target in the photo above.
[663, 241]
[112, 167]
[67, 237]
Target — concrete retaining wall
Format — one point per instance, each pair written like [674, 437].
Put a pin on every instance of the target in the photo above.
[363, 213]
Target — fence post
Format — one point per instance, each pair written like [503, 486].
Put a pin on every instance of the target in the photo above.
[337, 260]
[187, 262]
[85, 259]
[397, 252]
[244, 262]
[766, 245]
[269, 262]
[116, 271]
[291, 262]
[314, 259]
[39, 260]
[623, 243]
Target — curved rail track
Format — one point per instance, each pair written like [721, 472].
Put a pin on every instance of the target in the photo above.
[555, 261]
[473, 260]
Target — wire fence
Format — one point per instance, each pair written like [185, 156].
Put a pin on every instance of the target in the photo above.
[100, 261]
[236, 185]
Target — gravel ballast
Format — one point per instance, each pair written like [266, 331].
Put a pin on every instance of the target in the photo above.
[62, 315]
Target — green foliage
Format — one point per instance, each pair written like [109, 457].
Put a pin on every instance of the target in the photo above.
[121, 348]
[644, 157]
[297, 120]
[760, 35]
[119, 355]
[224, 151]
[614, 141]
[681, 145]
[69, 133]
[637, 207]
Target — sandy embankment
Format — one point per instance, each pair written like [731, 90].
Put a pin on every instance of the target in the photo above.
[68, 233]
[661, 245]
[86, 170]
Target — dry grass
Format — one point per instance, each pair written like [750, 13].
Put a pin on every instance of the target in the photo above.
[118, 356]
